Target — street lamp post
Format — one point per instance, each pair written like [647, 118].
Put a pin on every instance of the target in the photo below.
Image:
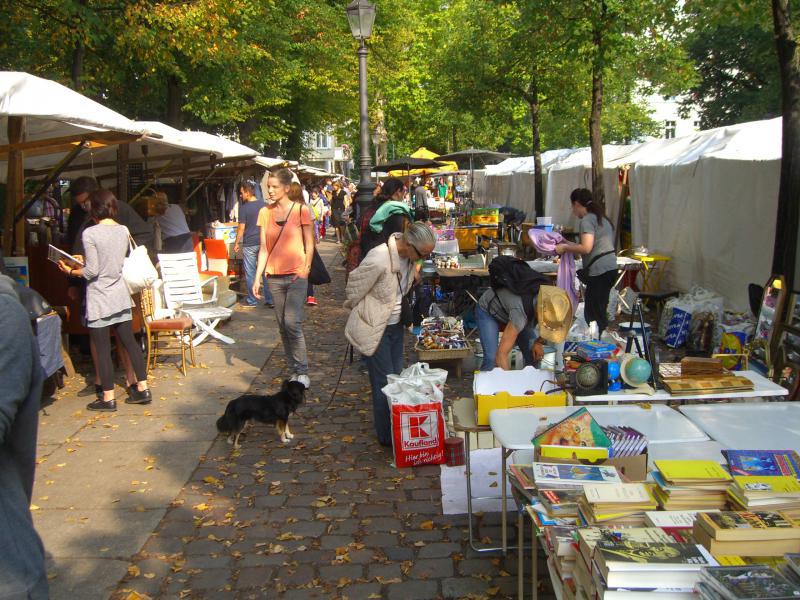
[361, 16]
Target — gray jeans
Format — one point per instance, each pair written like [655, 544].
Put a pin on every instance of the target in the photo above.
[289, 296]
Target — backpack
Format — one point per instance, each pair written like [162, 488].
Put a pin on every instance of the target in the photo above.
[518, 277]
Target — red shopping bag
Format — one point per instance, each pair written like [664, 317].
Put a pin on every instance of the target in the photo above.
[418, 434]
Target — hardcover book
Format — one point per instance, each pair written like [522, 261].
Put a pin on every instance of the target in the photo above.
[750, 582]
[627, 556]
[763, 462]
[732, 526]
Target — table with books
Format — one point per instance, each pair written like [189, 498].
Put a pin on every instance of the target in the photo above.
[514, 428]
[681, 529]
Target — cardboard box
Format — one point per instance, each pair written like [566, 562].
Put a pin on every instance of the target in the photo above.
[225, 232]
[632, 468]
[498, 389]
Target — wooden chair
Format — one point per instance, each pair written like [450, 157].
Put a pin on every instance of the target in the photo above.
[184, 296]
[177, 327]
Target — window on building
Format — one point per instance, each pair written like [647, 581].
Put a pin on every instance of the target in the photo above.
[669, 129]
[324, 141]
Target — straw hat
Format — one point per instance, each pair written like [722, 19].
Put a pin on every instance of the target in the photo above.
[554, 312]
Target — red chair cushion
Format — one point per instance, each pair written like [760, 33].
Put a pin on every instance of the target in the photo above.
[177, 324]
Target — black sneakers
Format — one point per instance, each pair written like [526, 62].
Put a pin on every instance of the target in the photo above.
[138, 397]
[102, 406]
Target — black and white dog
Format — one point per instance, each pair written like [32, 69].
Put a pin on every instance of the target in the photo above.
[274, 409]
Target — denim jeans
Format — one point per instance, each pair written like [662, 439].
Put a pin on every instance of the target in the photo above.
[489, 329]
[388, 359]
[250, 259]
[289, 295]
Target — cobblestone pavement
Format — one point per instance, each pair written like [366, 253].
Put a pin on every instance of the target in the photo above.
[326, 516]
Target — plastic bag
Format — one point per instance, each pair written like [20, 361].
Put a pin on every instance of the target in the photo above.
[415, 402]
[696, 300]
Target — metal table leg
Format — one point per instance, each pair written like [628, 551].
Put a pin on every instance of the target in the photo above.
[520, 555]
[534, 563]
[469, 499]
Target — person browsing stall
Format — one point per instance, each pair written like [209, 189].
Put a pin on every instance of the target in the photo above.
[527, 321]
[599, 257]
[377, 321]
[248, 238]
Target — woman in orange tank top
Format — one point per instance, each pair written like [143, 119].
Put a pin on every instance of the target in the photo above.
[287, 247]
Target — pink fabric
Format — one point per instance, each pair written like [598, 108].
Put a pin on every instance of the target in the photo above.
[545, 241]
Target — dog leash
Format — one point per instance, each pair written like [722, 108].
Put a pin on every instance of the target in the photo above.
[347, 351]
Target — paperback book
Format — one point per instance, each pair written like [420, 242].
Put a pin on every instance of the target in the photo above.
[749, 582]
[763, 462]
[564, 475]
[578, 429]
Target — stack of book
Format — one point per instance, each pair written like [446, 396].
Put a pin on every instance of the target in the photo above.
[746, 533]
[691, 484]
[584, 568]
[621, 504]
[671, 569]
[745, 582]
[561, 549]
[790, 568]
[677, 523]
[562, 504]
[756, 492]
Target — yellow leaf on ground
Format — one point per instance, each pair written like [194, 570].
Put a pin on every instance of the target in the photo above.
[426, 525]
[34, 507]
[134, 571]
[348, 439]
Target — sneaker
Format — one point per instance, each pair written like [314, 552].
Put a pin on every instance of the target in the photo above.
[269, 305]
[245, 305]
[91, 389]
[301, 379]
[311, 301]
[137, 397]
[102, 406]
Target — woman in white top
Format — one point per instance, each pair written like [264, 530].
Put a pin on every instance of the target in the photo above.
[375, 290]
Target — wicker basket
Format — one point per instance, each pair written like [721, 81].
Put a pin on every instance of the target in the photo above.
[424, 354]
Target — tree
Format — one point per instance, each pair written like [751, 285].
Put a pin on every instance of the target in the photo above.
[739, 79]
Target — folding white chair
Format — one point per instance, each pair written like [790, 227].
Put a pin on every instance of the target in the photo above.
[183, 294]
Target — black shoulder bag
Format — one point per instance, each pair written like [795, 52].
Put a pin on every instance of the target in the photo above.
[317, 274]
[406, 310]
[583, 273]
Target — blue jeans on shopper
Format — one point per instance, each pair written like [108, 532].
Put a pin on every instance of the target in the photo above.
[250, 259]
[289, 295]
[489, 330]
[388, 359]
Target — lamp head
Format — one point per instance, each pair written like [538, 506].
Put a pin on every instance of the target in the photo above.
[361, 16]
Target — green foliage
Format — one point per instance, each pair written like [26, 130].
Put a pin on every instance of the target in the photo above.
[734, 50]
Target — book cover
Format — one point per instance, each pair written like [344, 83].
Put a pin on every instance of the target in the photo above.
[545, 473]
[767, 485]
[738, 561]
[620, 493]
[523, 475]
[672, 519]
[750, 581]
[559, 499]
[578, 429]
[627, 554]
[589, 536]
[742, 525]
[763, 462]
[577, 452]
[692, 470]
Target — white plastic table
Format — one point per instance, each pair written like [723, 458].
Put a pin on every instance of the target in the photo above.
[513, 428]
[750, 426]
[763, 388]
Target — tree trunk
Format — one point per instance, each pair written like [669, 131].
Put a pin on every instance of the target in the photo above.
[785, 260]
[595, 118]
[174, 103]
[76, 68]
[246, 130]
[536, 144]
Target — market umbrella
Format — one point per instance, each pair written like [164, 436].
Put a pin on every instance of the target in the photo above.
[408, 164]
[472, 156]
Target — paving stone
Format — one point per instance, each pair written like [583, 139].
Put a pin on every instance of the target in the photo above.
[418, 590]
[210, 579]
[432, 568]
[361, 591]
[335, 572]
[399, 553]
[461, 587]
[334, 541]
[388, 571]
[254, 577]
[380, 540]
[295, 576]
[439, 550]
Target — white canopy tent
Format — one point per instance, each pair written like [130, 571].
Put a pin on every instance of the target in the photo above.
[709, 201]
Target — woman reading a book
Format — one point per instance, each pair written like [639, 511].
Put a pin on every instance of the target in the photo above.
[503, 310]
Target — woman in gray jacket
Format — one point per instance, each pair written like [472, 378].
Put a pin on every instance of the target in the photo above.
[375, 290]
[108, 301]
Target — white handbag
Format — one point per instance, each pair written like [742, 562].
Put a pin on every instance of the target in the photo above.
[137, 268]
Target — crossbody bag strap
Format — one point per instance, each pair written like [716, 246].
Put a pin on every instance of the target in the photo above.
[280, 233]
[591, 262]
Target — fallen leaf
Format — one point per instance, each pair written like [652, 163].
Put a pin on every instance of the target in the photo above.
[134, 571]
[426, 525]
[493, 484]
[34, 507]
[348, 439]
[149, 575]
